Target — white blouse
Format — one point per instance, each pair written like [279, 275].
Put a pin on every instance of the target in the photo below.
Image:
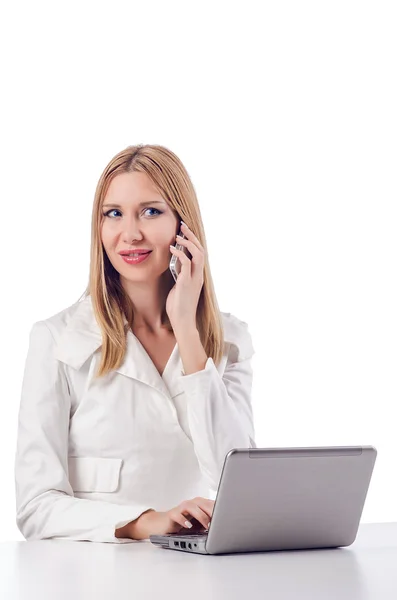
[93, 455]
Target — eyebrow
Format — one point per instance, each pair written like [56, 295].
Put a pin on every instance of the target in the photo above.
[140, 204]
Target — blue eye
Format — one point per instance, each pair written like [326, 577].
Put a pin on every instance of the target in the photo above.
[156, 209]
[106, 214]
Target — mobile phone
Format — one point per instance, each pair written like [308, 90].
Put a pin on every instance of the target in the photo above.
[175, 263]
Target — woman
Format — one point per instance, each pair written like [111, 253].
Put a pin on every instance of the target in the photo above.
[133, 396]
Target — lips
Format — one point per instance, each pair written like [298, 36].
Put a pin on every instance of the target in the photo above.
[127, 252]
[136, 260]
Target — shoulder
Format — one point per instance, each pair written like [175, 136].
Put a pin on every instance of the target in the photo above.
[59, 321]
[237, 336]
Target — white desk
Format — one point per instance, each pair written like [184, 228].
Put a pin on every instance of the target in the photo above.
[68, 570]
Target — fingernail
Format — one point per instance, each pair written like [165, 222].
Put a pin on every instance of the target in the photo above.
[188, 524]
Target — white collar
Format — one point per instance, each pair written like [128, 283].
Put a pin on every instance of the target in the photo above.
[81, 337]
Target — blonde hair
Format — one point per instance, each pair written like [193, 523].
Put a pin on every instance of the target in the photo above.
[110, 302]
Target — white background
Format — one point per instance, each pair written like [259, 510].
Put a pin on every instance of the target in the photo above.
[284, 114]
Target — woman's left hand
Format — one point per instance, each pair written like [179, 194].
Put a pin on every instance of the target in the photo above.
[182, 301]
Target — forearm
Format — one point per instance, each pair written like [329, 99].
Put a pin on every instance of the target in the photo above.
[138, 529]
[191, 350]
[219, 412]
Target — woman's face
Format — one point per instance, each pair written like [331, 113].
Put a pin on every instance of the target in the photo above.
[135, 216]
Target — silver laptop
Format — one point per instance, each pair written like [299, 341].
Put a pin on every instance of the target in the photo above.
[283, 499]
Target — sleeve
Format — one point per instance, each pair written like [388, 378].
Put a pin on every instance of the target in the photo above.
[219, 407]
[45, 503]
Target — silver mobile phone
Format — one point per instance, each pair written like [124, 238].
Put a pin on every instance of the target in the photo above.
[175, 263]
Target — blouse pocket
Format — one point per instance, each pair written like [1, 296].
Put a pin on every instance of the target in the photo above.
[94, 474]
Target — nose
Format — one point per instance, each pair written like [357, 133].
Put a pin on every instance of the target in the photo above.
[131, 231]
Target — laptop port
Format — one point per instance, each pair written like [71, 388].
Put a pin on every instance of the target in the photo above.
[183, 544]
[176, 543]
[190, 546]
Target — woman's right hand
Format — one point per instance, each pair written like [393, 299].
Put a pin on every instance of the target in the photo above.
[174, 520]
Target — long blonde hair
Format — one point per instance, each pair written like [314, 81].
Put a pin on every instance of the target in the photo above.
[111, 304]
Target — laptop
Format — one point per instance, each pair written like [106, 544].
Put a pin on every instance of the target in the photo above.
[283, 499]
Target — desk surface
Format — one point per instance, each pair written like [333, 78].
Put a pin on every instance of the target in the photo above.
[68, 570]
